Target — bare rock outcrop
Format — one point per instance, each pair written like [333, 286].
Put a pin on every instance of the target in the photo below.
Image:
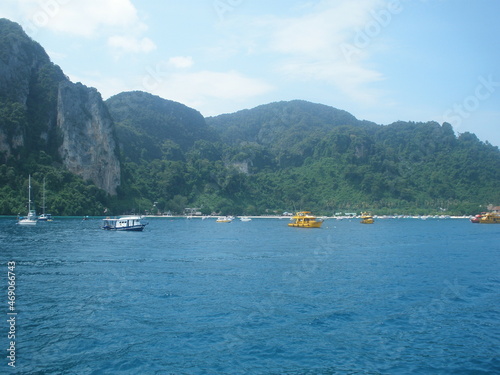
[88, 146]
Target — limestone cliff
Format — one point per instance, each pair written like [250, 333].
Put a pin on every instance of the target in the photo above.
[88, 148]
[42, 111]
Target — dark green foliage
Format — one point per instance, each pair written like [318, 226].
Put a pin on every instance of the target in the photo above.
[150, 127]
[277, 125]
[344, 164]
[65, 193]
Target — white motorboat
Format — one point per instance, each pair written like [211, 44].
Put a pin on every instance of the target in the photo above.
[126, 223]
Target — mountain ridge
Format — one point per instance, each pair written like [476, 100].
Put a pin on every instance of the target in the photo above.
[156, 121]
[137, 152]
[260, 124]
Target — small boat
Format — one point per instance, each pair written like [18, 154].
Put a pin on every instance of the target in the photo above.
[304, 219]
[31, 219]
[366, 218]
[44, 216]
[224, 219]
[125, 223]
[490, 218]
[245, 218]
[476, 219]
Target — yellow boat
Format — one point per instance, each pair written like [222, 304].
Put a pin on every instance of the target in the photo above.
[490, 218]
[366, 218]
[304, 219]
[224, 219]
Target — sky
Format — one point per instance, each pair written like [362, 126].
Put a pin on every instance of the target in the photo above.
[381, 60]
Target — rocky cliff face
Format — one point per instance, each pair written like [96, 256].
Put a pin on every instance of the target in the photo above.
[20, 61]
[41, 110]
[88, 148]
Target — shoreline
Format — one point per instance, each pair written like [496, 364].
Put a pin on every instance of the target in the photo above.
[422, 217]
[380, 217]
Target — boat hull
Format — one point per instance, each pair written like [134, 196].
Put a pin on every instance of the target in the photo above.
[130, 229]
[224, 219]
[493, 220]
[27, 222]
[367, 221]
[312, 224]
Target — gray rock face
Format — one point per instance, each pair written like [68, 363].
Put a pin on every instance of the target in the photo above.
[88, 148]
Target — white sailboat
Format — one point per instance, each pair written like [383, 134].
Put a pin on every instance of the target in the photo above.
[44, 216]
[31, 219]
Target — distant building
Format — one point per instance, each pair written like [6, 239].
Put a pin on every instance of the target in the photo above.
[495, 209]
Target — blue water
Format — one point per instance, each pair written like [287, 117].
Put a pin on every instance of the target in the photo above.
[401, 296]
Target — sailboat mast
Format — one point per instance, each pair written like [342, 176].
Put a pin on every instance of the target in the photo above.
[29, 193]
[43, 196]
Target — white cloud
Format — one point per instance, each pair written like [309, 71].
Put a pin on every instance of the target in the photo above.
[312, 45]
[209, 91]
[115, 20]
[131, 44]
[351, 80]
[82, 18]
[106, 85]
[181, 62]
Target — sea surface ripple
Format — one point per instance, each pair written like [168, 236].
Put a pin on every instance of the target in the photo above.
[400, 296]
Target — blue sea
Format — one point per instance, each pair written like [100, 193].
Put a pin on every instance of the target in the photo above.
[401, 296]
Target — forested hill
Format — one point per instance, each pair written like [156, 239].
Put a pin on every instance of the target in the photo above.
[149, 127]
[273, 124]
[340, 160]
[138, 153]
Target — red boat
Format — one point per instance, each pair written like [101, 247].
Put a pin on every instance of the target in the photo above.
[476, 219]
